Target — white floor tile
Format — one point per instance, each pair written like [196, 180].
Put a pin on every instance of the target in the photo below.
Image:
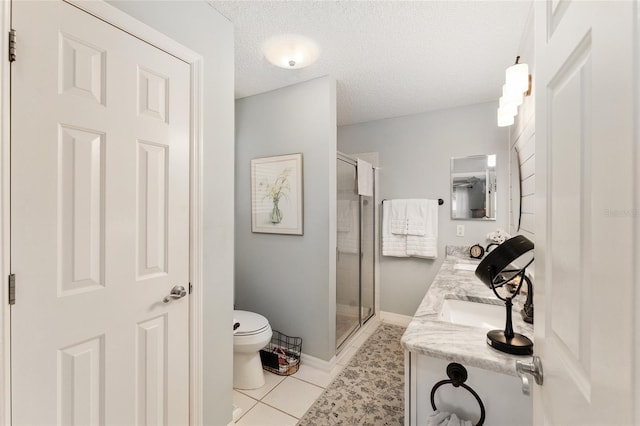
[316, 376]
[243, 402]
[263, 415]
[293, 396]
[271, 381]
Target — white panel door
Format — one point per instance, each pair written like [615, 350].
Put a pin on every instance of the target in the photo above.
[100, 224]
[585, 250]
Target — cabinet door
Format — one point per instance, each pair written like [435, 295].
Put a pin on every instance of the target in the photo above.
[501, 395]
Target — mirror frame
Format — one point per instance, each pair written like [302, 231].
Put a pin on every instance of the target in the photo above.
[515, 172]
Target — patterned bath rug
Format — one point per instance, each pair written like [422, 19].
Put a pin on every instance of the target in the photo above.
[369, 391]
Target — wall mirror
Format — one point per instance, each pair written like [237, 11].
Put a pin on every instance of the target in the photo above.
[473, 187]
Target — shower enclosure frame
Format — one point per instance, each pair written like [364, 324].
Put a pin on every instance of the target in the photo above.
[363, 317]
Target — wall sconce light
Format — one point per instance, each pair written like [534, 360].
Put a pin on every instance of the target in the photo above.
[291, 51]
[517, 86]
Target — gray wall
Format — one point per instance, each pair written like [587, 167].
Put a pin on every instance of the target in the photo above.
[415, 153]
[199, 27]
[290, 279]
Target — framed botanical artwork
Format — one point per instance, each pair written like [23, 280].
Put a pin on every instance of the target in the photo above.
[276, 194]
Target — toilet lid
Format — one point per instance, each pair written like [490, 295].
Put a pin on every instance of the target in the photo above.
[250, 322]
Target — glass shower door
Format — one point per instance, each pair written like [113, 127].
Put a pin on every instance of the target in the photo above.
[348, 253]
[367, 261]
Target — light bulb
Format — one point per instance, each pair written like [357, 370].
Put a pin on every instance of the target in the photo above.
[504, 118]
[508, 105]
[512, 97]
[517, 78]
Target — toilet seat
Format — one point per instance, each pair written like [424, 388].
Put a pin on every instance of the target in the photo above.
[250, 323]
[251, 333]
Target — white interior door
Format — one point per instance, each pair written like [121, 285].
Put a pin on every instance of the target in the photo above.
[585, 254]
[100, 223]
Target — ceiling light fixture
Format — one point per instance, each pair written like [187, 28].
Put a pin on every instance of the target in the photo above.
[517, 86]
[291, 51]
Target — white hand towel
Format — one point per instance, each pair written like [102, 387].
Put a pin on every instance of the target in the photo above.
[408, 216]
[392, 244]
[398, 216]
[365, 178]
[426, 246]
[417, 217]
[443, 418]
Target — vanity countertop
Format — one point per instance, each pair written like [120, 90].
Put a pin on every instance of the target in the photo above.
[460, 343]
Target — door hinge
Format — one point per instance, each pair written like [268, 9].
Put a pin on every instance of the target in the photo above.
[12, 45]
[12, 289]
[190, 288]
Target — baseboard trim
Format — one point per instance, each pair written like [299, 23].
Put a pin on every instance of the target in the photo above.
[237, 413]
[371, 324]
[318, 363]
[395, 319]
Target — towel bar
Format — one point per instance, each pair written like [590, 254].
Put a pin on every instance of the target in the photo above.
[440, 201]
[457, 376]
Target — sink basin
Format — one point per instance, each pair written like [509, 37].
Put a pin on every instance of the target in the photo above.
[476, 314]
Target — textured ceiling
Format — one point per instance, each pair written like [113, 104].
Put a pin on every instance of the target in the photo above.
[390, 58]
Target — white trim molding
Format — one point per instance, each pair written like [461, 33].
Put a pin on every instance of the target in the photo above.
[5, 211]
[395, 319]
[318, 363]
[196, 248]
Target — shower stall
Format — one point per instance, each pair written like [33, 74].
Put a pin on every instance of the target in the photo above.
[355, 252]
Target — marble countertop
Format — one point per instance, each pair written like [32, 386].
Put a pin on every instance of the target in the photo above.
[454, 342]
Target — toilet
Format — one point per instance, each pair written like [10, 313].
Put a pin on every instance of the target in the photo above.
[253, 334]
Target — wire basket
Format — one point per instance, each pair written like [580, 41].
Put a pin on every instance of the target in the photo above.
[282, 355]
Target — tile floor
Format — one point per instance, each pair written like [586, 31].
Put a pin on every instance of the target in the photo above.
[283, 400]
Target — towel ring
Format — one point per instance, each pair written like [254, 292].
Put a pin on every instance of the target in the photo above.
[457, 376]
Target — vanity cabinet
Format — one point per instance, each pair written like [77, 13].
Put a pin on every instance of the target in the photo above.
[501, 394]
[433, 340]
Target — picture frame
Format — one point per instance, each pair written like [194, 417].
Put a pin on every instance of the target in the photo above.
[277, 195]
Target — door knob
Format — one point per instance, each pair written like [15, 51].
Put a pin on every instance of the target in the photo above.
[526, 369]
[177, 292]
